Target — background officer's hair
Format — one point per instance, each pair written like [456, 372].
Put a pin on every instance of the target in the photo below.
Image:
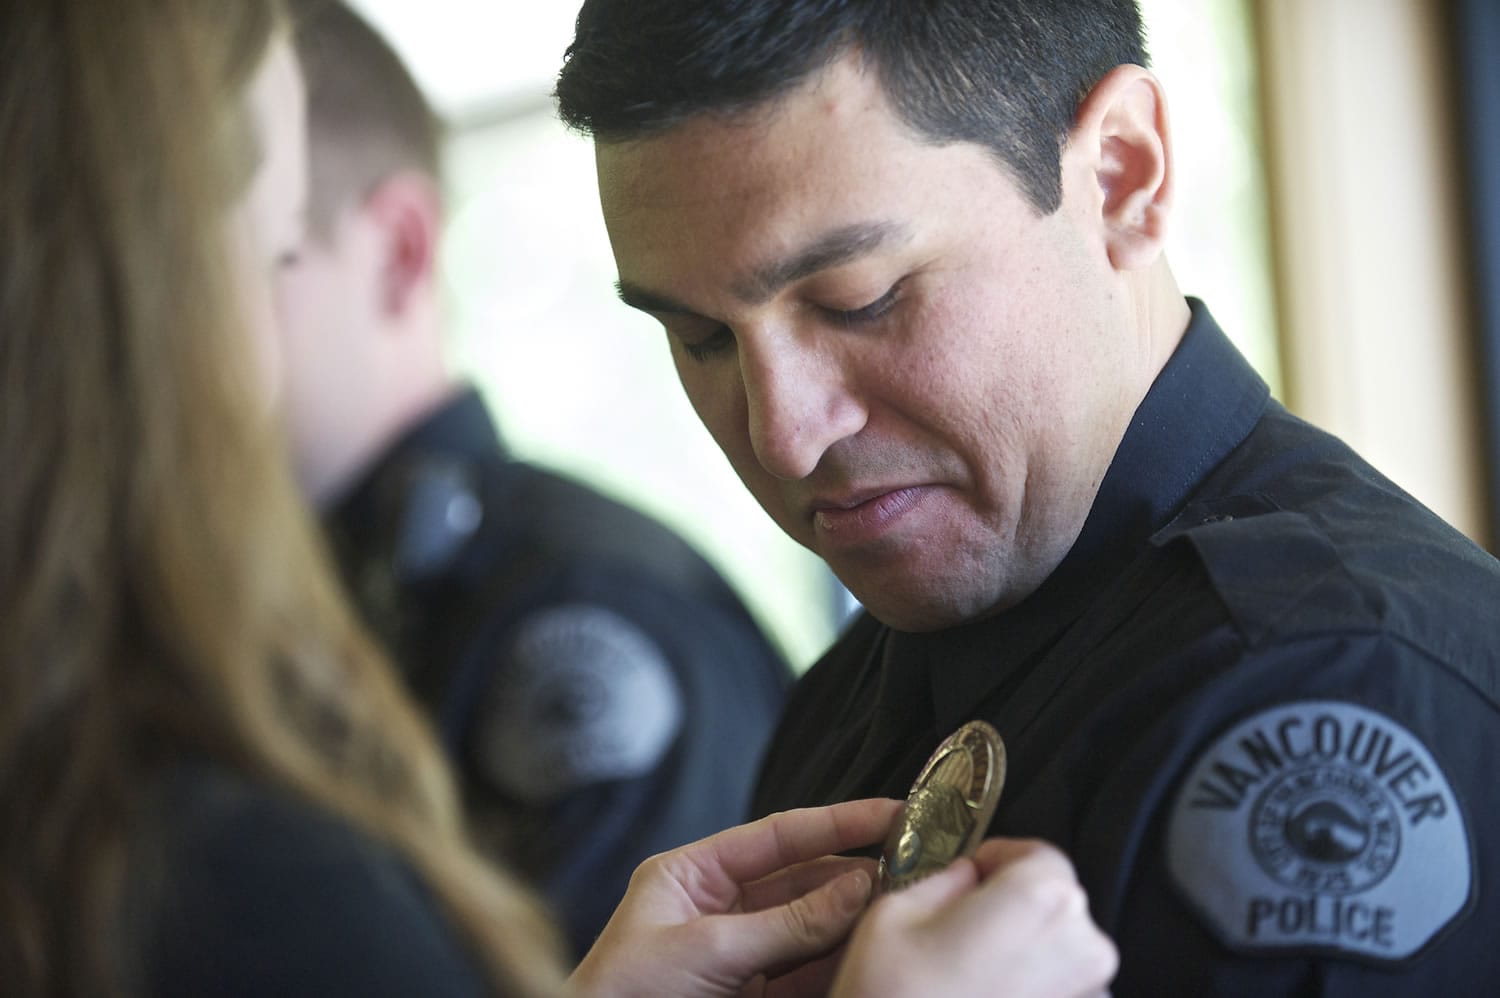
[367, 118]
[1006, 74]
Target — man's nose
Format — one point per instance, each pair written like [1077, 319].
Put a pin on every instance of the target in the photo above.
[799, 400]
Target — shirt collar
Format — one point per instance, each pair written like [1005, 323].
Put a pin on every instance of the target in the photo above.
[460, 428]
[1202, 405]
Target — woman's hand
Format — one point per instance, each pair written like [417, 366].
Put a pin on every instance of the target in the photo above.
[743, 907]
[1013, 921]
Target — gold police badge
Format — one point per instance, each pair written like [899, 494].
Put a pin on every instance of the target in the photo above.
[949, 807]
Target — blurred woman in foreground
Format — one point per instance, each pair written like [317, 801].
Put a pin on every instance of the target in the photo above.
[210, 782]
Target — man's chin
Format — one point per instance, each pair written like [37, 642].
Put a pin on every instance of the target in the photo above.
[917, 610]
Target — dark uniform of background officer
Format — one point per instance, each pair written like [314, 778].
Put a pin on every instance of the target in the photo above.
[909, 258]
[604, 693]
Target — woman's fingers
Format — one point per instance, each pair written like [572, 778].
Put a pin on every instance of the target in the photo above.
[809, 980]
[931, 893]
[1032, 895]
[762, 898]
[791, 933]
[995, 854]
[713, 870]
[749, 852]
[795, 881]
[1014, 913]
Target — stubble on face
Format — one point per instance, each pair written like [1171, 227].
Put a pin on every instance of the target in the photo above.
[979, 397]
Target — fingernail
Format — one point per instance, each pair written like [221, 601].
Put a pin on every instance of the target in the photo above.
[852, 890]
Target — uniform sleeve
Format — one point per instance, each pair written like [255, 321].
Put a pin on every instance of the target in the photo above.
[264, 897]
[619, 718]
[580, 695]
[1317, 822]
[574, 754]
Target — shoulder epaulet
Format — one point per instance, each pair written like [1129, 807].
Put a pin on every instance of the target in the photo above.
[1276, 572]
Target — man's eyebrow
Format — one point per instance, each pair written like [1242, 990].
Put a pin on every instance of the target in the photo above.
[829, 250]
[649, 301]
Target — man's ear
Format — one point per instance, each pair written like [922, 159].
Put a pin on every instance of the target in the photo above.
[1122, 143]
[407, 210]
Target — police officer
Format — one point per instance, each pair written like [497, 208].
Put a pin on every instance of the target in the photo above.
[909, 257]
[604, 693]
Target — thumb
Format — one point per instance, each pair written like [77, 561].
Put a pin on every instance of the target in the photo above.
[932, 892]
[801, 929]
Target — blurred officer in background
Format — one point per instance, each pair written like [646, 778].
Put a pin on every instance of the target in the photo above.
[603, 692]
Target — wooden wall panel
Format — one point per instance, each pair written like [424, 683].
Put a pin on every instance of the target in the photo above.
[1366, 198]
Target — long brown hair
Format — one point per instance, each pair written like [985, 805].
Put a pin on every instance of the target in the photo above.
[162, 591]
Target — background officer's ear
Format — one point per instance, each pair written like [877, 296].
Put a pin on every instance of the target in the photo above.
[1118, 158]
[407, 209]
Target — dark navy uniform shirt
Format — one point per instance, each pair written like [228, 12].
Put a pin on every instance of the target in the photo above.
[604, 693]
[1256, 704]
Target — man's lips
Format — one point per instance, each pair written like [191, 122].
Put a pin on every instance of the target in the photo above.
[864, 514]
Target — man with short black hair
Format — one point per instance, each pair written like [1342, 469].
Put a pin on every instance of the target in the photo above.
[909, 260]
[603, 693]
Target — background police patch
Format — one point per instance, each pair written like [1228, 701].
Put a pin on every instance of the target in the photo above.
[583, 696]
[1320, 825]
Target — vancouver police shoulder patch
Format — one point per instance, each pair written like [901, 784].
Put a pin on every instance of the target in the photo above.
[584, 696]
[1321, 826]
